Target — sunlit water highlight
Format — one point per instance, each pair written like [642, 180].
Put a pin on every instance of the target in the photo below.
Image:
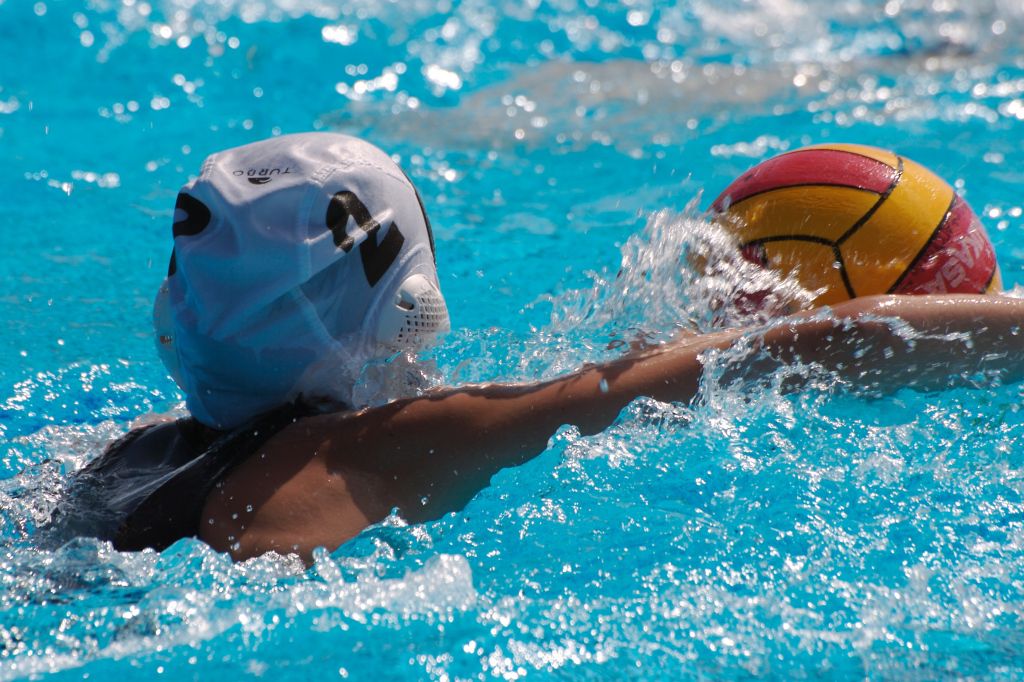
[562, 148]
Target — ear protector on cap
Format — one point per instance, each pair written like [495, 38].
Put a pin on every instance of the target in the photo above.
[414, 315]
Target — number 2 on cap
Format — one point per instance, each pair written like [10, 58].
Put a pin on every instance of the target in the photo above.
[376, 258]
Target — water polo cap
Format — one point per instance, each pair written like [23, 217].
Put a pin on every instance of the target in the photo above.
[296, 261]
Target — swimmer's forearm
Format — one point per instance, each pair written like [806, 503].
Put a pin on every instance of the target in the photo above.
[492, 426]
[943, 340]
[925, 342]
[882, 342]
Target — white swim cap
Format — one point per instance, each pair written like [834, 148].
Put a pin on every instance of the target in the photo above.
[296, 261]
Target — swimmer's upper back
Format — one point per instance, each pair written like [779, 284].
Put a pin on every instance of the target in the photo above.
[148, 488]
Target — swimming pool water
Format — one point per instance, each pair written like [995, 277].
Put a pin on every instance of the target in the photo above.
[817, 535]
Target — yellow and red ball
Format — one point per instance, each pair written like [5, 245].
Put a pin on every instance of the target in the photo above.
[851, 220]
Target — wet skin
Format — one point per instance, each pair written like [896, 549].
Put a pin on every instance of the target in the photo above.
[322, 480]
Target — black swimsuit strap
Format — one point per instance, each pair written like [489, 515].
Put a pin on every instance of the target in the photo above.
[172, 510]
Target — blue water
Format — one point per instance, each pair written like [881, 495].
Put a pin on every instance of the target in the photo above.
[817, 535]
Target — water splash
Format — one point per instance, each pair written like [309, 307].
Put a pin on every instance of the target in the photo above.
[683, 274]
[757, 532]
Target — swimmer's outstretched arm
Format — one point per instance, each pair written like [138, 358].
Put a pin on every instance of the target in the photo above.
[324, 479]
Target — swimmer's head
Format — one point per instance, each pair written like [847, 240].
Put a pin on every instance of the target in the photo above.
[296, 261]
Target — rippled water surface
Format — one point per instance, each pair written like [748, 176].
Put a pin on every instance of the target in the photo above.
[816, 535]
